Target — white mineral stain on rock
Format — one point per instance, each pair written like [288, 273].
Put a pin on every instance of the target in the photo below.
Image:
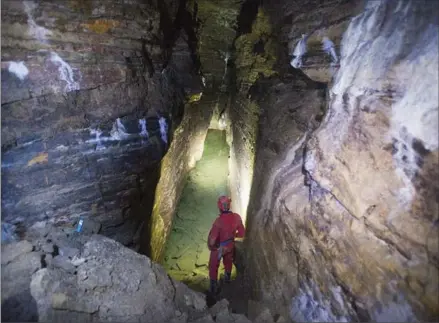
[163, 129]
[65, 72]
[417, 110]
[143, 130]
[36, 31]
[329, 47]
[415, 116]
[18, 69]
[118, 132]
[298, 52]
[366, 62]
[399, 311]
[310, 306]
[97, 140]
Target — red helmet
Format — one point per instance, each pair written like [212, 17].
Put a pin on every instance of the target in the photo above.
[224, 203]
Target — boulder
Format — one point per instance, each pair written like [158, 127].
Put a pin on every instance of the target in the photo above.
[38, 230]
[16, 274]
[90, 226]
[108, 289]
[14, 250]
[68, 252]
[64, 263]
[189, 301]
[240, 318]
[17, 301]
[205, 319]
[264, 317]
[218, 307]
[224, 316]
[280, 319]
[47, 248]
[181, 318]
[48, 258]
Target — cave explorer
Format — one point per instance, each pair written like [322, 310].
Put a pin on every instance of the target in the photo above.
[221, 241]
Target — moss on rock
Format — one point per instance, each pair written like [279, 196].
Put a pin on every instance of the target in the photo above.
[195, 97]
[251, 62]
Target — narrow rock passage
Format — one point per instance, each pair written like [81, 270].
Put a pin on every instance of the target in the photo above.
[186, 254]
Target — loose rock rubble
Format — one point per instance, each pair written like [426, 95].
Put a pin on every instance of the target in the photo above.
[62, 276]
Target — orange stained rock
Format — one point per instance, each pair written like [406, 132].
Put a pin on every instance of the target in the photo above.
[101, 26]
[40, 158]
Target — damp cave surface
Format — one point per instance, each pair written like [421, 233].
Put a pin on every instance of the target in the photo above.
[186, 254]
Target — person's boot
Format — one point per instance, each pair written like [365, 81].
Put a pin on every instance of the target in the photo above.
[227, 277]
[213, 287]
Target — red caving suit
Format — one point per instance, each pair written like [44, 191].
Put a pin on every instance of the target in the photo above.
[226, 227]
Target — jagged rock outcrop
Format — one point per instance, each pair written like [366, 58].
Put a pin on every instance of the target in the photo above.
[19, 262]
[89, 106]
[342, 221]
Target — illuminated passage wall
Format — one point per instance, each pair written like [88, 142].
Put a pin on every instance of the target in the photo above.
[186, 255]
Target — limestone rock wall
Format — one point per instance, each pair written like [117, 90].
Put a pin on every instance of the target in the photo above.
[254, 58]
[278, 187]
[342, 221]
[185, 150]
[91, 94]
[242, 130]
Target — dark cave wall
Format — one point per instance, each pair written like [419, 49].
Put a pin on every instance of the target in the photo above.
[76, 88]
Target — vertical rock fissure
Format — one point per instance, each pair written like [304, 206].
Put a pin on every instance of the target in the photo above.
[212, 35]
[186, 254]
